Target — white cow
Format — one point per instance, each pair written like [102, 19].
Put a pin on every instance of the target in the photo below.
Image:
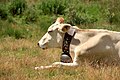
[86, 44]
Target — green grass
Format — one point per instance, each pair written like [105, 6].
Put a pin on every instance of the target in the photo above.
[77, 12]
[22, 24]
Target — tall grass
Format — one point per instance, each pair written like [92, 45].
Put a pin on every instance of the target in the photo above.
[19, 57]
[22, 24]
[76, 12]
[13, 30]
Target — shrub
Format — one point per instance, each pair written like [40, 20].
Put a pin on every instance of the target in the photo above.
[114, 12]
[56, 7]
[31, 14]
[75, 12]
[17, 7]
[111, 11]
[45, 21]
[3, 12]
[17, 34]
[7, 29]
[83, 14]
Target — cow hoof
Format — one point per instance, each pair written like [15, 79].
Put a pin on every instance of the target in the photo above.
[39, 68]
[36, 68]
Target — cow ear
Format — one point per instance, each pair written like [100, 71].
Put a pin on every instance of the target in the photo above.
[65, 28]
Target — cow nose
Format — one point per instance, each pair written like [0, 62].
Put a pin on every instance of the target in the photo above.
[41, 46]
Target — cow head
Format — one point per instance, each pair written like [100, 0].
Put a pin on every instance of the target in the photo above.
[54, 35]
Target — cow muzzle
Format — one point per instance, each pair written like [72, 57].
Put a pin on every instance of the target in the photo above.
[42, 46]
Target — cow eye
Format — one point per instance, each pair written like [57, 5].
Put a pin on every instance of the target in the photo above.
[50, 31]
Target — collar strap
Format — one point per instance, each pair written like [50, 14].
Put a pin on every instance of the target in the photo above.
[65, 46]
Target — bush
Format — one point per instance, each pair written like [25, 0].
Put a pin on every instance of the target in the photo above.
[31, 14]
[45, 21]
[111, 11]
[11, 32]
[56, 7]
[7, 29]
[114, 12]
[83, 14]
[76, 12]
[17, 7]
[3, 12]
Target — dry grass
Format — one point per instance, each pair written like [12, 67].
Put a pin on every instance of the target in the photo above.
[19, 57]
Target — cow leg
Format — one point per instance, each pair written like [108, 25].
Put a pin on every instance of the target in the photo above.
[59, 64]
[98, 48]
[117, 47]
[56, 65]
[99, 43]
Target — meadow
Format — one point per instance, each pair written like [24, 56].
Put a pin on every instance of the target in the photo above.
[24, 22]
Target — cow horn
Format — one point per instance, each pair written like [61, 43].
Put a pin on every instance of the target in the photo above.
[60, 20]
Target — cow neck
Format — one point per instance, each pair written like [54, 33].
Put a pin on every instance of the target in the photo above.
[66, 44]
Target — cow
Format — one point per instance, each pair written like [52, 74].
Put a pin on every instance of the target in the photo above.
[85, 44]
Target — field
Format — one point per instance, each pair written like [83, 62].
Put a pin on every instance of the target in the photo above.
[21, 27]
[19, 57]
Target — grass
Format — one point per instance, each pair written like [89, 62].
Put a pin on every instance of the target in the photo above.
[18, 57]
[22, 24]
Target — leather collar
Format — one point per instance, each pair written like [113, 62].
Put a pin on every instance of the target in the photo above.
[65, 48]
